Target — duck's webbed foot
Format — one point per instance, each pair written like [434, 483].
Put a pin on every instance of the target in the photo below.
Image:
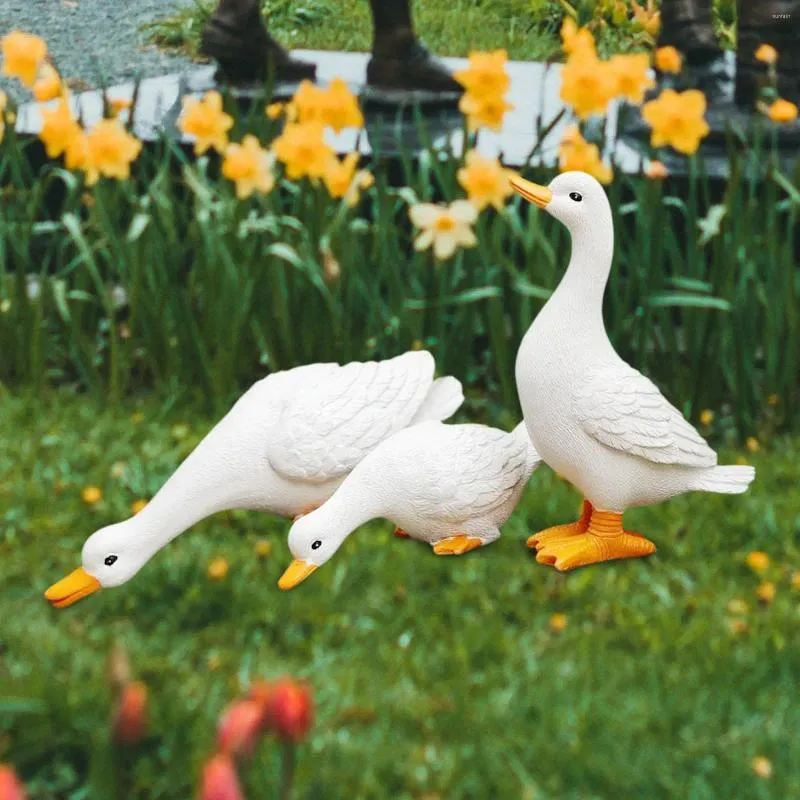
[537, 540]
[603, 540]
[457, 545]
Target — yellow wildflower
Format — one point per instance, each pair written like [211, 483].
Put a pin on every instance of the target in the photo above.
[576, 40]
[668, 59]
[632, 73]
[656, 171]
[207, 122]
[752, 444]
[575, 153]
[486, 75]
[59, 129]
[249, 166]
[91, 495]
[218, 569]
[677, 119]
[587, 84]
[706, 416]
[647, 17]
[263, 548]
[762, 767]
[782, 111]
[485, 180]
[766, 53]
[558, 622]
[445, 227]
[23, 55]
[112, 149]
[303, 150]
[486, 111]
[766, 592]
[49, 86]
[342, 180]
[758, 561]
[137, 506]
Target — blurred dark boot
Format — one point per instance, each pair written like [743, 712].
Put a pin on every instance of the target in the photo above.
[236, 38]
[398, 60]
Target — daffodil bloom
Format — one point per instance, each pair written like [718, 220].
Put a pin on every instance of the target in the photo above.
[207, 122]
[249, 166]
[59, 129]
[484, 112]
[49, 86]
[632, 73]
[341, 107]
[112, 149]
[275, 110]
[486, 75]
[302, 149]
[576, 40]
[677, 119]
[308, 103]
[445, 227]
[575, 153]
[23, 55]
[782, 111]
[587, 84]
[342, 180]
[78, 156]
[648, 17]
[668, 59]
[485, 180]
[766, 53]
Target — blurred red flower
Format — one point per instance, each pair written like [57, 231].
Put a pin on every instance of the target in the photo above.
[10, 787]
[260, 692]
[239, 726]
[291, 709]
[220, 781]
[130, 721]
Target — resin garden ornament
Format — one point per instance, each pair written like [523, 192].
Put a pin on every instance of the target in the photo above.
[284, 447]
[593, 418]
[451, 486]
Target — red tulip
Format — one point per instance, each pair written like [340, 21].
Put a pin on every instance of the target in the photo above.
[291, 709]
[10, 787]
[130, 722]
[260, 692]
[239, 727]
[220, 781]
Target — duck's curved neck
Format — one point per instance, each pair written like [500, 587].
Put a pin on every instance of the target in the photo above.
[351, 506]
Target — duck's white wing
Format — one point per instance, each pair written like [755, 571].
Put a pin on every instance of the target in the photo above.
[332, 416]
[623, 409]
[466, 471]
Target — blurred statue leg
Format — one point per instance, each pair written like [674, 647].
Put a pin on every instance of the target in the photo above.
[398, 60]
[236, 38]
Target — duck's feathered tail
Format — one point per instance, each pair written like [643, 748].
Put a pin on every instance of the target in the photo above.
[725, 480]
[443, 400]
[533, 458]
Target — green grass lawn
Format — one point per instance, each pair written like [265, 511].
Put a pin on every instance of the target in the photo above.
[434, 678]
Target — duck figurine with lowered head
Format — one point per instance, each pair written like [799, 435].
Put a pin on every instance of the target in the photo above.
[593, 418]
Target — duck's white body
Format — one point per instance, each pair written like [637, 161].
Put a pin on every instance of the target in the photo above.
[440, 484]
[284, 447]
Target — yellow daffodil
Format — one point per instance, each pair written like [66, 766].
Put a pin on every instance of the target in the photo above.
[558, 622]
[762, 767]
[218, 569]
[648, 17]
[587, 84]
[91, 495]
[445, 227]
[677, 119]
[485, 180]
[668, 59]
[766, 592]
[23, 55]
[249, 166]
[782, 111]
[207, 122]
[302, 149]
[656, 171]
[112, 149]
[341, 107]
[486, 75]
[575, 153]
[342, 180]
[78, 155]
[632, 73]
[706, 416]
[308, 103]
[766, 53]
[59, 129]
[484, 112]
[575, 40]
[49, 86]
[758, 561]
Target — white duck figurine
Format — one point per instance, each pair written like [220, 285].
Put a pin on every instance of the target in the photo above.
[451, 486]
[284, 447]
[593, 418]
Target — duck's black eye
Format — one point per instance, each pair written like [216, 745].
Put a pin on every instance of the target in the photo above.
[316, 545]
[576, 196]
[110, 561]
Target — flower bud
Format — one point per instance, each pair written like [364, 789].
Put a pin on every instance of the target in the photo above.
[130, 722]
[291, 709]
[239, 727]
[220, 781]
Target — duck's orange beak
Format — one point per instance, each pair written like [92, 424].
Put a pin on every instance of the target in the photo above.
[295, 574]
[74, 587]
[533, 192]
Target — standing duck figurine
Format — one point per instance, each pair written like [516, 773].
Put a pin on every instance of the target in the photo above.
[451, 486]
[284, 448]
[593, 418]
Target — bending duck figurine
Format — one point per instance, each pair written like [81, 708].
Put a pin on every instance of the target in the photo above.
[284, 447]
[451, 486]
[593, 418]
